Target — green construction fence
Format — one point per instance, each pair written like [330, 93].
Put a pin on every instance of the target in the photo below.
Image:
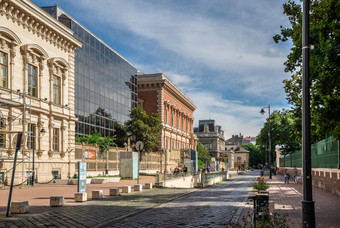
[325, 154]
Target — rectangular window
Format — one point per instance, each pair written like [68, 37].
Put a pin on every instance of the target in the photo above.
[56, 139]
[4, 69]
[186, 127]
[56, 89]
[2, 135]
[182, 124]
[31, 128]
[178, 122]
[172, 119]
[166, 116]
[32, 80]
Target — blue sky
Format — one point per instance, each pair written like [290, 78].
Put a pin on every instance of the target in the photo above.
[220, 53]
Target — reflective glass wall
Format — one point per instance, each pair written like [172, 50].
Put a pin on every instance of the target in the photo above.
[105, 83]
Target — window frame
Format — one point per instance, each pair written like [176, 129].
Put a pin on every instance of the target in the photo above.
[32, 129]
[56, 87]
[5, 65]
[2, 135]
[29, 80]
[55, 141]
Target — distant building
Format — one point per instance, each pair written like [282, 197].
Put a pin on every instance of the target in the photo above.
[239, 140]
[241, 156]
[212, 137]
[157, 94]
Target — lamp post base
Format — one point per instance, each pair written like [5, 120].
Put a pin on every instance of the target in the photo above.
[308, 213]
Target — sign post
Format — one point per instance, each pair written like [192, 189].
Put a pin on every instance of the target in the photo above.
[139, 147]
[81, 176]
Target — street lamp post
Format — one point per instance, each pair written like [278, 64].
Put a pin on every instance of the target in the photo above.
[270, 146]
[308, 210]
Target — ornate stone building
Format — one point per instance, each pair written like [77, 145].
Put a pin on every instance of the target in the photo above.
[36, 92]
[157, 94]
[212, 137]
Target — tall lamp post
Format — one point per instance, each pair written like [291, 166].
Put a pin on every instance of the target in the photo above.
[270, 146]
[308, 211]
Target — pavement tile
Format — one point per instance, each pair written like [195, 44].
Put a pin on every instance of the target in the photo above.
[287, 199]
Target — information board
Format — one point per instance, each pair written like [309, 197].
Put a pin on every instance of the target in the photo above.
[81, 176]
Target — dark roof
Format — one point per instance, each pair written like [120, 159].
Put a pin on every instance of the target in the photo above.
[236, 148]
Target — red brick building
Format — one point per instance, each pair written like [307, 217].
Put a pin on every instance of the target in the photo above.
[158, 94]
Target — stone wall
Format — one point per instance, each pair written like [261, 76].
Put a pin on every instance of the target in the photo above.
[327, 179]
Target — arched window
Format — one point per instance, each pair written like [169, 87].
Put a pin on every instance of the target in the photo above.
[33, 60]
[58, 69]
[8, 43]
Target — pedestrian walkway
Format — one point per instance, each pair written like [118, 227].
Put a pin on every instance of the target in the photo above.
[87, 214]
[287, 199]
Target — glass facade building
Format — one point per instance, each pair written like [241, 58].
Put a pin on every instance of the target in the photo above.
[105, 82]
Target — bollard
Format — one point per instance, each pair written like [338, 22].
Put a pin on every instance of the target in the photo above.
[19, 207]
[114, 191]
[56, 201]
[138, 188]
[148, 185]
[97, 194]
[126, 189]
[80, 196]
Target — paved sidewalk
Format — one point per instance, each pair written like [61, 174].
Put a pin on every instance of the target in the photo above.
[287, 199]
[87, 214]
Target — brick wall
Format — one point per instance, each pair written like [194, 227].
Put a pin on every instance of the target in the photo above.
[150, 101]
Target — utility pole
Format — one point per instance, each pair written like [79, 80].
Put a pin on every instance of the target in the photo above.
[308, 211]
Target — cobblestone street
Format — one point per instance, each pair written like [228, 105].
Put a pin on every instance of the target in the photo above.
[166, 207]
[210, 207]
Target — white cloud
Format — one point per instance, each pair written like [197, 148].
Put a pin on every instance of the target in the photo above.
[233, 45]
[232, 38]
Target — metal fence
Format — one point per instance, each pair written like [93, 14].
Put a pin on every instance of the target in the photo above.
[325, 154]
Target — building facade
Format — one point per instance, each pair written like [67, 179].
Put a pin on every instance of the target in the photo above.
[211, 136]
[241, 156]
[36, 92]
[105, 82]
[157, 94]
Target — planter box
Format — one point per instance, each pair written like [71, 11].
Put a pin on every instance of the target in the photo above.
[73, 182]
[98, 180]
[61, 181]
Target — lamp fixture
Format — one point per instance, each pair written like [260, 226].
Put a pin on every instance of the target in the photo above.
[42, 131]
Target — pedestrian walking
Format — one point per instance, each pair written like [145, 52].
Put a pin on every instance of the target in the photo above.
[208, 169]
[185, 170]
[286, 176]
[295, 174]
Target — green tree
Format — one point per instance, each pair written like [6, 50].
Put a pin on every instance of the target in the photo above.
[144, 127]
[120, 134]
[203, 156]
[104, 143]
[324, 65]
[282, 132]
[256, 154]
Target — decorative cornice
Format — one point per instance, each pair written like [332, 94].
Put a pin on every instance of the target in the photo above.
[149, 81]
[36, 20]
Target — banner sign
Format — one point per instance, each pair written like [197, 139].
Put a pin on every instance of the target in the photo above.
[81, 176]
[89, 154]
